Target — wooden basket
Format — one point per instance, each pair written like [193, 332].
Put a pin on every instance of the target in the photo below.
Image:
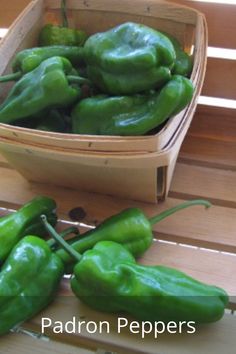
[140, 176]
[186, 24]
[139, 168]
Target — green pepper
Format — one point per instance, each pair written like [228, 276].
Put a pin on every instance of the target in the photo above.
[131, 115]
[53, 121]
[28, 281]
[29, 278]
[130, 227]
[21, 297]
[53, 35]
[57, 35]
[47, 86]
[184, 62]
[108, 279]
[129, 58]
[25, 221]
[29, 59]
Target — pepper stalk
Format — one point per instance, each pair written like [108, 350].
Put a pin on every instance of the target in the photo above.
[130, 227]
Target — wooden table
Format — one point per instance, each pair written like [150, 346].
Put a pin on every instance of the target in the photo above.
[197, 241]
[201, 243]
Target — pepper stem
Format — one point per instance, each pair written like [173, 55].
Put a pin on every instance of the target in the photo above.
[77, 79]
[63, 13]
[60, 240]
[155, 219]
[70, 230]
[11, 77]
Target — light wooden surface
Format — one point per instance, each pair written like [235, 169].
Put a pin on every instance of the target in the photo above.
[199, 242]
[23, 343]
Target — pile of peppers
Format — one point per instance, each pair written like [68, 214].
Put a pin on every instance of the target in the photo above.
[127, 81]
[105, 271]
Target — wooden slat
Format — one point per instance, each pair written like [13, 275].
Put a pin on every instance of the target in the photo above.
[215, 184]
[217, 123]
[214, 228]
[215, 153]
[219, 79]
[11, 9]
[220, 19]
[214, 338]
[24, 344]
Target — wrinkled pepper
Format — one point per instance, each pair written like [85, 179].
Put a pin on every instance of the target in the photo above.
[131, 115]
[49, 85]
[53, 34]
[184, 62]
[23, 297]
[128, 59]
[130, 227]
[107, 278]
[57, 35]
[28, 281]
[29, 278]
[25, 221]
[29, 59]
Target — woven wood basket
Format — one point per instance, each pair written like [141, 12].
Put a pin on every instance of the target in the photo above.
[135, 167]
[186, 24]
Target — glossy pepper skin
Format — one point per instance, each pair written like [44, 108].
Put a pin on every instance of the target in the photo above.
[131, 115]
[130, 227]
[184, 62]
[28, 281]
[108, 279]
[25, 221]
[29, 59]
[46, 86]
[29, 278]
[23, 297]
[128, 59]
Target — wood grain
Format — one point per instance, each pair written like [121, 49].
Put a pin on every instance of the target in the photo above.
[217, 123]
[219, 80]
[24, 344]
[220, 20]
[211, 339]
[214, 228]
[208, 152]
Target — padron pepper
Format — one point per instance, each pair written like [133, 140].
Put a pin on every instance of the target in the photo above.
[184, 62]
[58, 35]
[108, 279]
[22, 297]
[53, 34]
[49, 85]
[131, 115]
[130, 227]
[29, 59]
[28, 281]
[25, 221]
[129, 58]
